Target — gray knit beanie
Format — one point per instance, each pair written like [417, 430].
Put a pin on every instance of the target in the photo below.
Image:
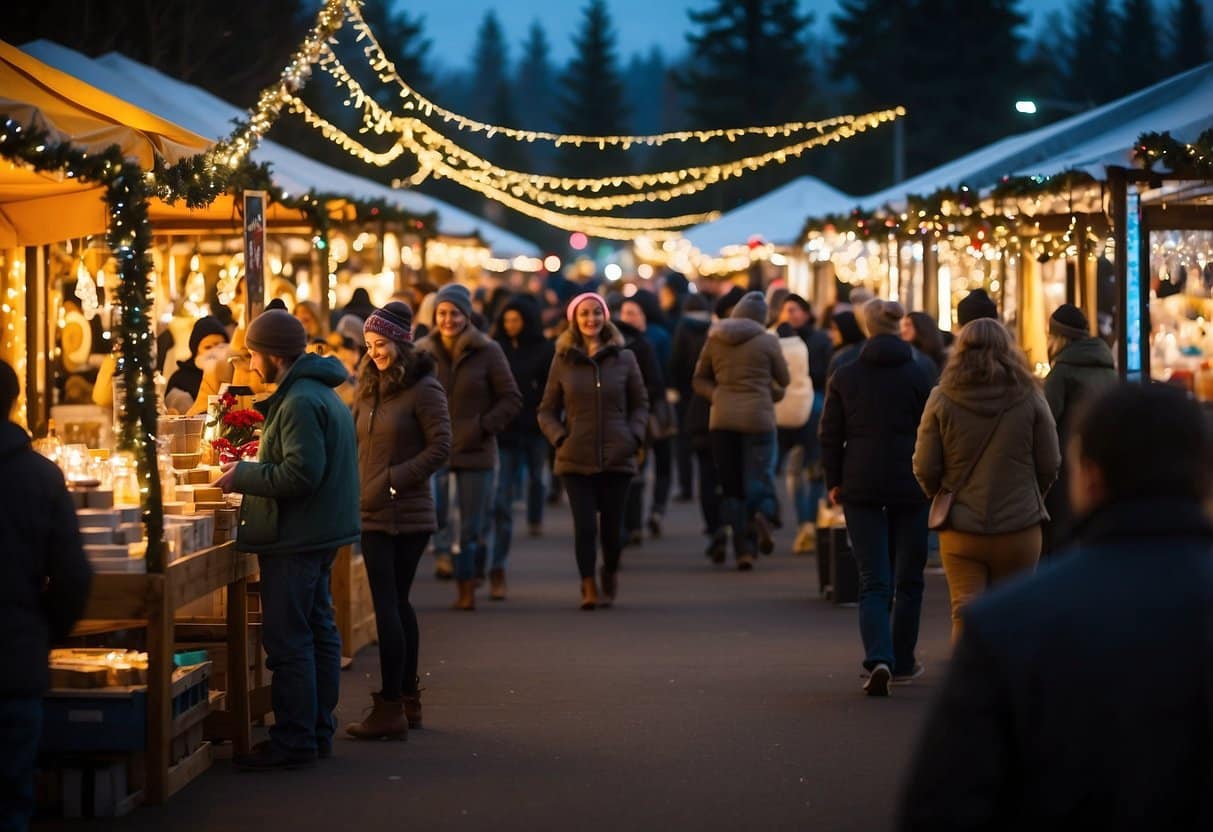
[882, 317]
[276, 332]
[753, 305]
[457, 294]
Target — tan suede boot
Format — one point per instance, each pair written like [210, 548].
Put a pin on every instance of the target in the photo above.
[589, 594]
[386, 721]
[610, 584]
[497, 584]
[467, 596]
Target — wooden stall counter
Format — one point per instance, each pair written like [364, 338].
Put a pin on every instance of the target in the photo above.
[150, 600]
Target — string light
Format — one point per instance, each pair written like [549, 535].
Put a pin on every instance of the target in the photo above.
[380, 121]
[414, 100]
[614, 228]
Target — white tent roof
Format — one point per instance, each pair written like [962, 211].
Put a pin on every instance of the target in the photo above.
[198, 110]
[1102, 136]
[777, 217]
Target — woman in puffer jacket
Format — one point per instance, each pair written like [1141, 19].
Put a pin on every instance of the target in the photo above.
[595, 412]
[987, 419]
[404, 436]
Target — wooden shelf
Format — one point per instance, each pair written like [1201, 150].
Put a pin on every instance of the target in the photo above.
[123, 596]
[150, 601]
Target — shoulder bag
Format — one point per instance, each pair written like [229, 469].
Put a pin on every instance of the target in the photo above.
[941, 503]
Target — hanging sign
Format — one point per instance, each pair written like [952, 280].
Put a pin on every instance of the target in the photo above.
[254, 251]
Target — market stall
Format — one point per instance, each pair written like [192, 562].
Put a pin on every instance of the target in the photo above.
[75, 161]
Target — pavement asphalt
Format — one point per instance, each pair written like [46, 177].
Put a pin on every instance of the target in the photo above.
[705, 699]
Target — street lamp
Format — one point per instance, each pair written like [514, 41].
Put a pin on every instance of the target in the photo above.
[1031, 106]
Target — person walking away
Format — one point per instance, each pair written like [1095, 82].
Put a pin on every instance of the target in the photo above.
[595, 412]
[742, 372]
[920, 331]
[638, 313]
[635, 342]
[988, 440]
[521, 446]
[483, 399]
[872, 409]
[404, 436]
[1082, 366]
[799, 446]
[693, 413]
[44, 583]
[975, 306]
[300, 506]
[644, 311]
[1079, 697]
[848, 340]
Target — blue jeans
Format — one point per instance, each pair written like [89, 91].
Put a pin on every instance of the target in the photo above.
[809, 486]
[302, 647]
[525, 453]
[20, 732]
[444, 537]
[474, 491]
[745, 466]
[890, 546]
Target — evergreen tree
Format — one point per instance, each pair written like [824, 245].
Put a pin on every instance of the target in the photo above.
[1137, 49]
[402, 38]
[1189, 38]
[954, 65]
[749, 64]
[592, 101]
[490, 68]
[535, 82]
[1094, 69]
[644, 77]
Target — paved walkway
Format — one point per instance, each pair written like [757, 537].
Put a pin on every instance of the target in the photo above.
[706, 699]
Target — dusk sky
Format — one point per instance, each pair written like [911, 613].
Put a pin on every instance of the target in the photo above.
[452, 24]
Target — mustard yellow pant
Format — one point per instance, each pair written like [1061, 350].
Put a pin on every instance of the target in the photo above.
[973, 562]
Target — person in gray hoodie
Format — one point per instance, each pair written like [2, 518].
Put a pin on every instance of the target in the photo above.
[742, 372]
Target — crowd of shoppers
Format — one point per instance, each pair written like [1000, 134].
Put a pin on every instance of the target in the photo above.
[873, 412]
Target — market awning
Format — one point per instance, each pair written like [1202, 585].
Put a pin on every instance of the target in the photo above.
[38, 208]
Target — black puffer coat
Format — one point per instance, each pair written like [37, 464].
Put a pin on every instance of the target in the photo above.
[530, 358]
[870, 424]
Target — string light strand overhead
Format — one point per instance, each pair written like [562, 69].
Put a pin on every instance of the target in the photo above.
[413, 99]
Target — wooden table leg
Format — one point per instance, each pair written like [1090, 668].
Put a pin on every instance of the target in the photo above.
[159, 688]
[342, 589]
[237, 666]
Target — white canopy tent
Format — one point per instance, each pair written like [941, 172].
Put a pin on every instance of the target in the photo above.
[198, 110]
[777, 217]
[1088, 141]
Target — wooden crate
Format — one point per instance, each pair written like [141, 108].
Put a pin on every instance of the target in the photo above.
[352, 601]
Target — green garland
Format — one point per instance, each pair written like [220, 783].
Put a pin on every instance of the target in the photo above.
[1195, 160]
[952, 211]
[129, 237]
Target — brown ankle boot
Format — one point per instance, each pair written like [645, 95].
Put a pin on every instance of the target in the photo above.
[467, 596]
[610, 583]
[386, 721]
[497, 584]
[589, 594]
[412, 705]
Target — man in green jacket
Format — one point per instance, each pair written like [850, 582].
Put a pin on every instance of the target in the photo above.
[300, 505]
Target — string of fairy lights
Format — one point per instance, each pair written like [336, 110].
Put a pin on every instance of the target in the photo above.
[534, 195]
[543, 189]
